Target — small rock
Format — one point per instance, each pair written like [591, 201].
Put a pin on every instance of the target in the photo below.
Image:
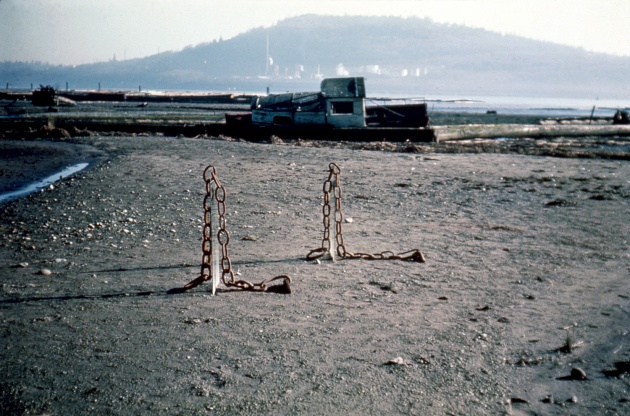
[573, 399]
[22, 265]
[548, 399]
[44, 272]
[561, 203]
[578, 374]
[518, 400]
[349, 220]
[396, 361]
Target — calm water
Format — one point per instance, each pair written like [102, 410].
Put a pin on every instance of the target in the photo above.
[547, 107]
[36, 186]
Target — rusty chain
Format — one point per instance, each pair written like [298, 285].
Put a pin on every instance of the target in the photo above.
[333, 183]
[223, 238]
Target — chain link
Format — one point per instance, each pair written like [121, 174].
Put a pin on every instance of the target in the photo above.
[333, 184]
[223, 238]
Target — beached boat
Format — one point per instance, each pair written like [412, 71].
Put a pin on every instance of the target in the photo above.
[339, 111]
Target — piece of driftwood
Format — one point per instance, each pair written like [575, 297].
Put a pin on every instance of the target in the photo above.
[493, 131]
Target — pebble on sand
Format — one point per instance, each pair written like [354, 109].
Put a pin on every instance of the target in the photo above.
[396, 361]
[578, 374]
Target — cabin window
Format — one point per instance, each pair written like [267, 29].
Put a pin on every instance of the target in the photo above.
[342, 107]
[282, 121]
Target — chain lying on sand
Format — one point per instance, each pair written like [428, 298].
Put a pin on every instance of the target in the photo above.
[333, 184]
[223, 237]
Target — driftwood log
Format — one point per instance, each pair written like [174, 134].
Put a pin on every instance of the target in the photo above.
[493, 131]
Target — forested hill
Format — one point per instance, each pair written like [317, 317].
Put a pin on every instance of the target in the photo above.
[415, 56]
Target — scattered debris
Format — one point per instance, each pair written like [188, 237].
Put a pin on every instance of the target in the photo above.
[549, 399]
[569, 345]
[396, 361]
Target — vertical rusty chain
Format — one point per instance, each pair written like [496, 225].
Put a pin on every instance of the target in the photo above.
[223, 237]
[333, 183]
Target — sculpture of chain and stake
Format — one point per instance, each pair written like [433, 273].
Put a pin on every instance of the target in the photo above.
[333, 185]
[216, 191]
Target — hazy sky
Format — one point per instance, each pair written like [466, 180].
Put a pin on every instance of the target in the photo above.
[87, 31]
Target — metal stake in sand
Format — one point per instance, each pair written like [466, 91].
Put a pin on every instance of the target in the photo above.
[332, 185]
[332, 242]
[214, 275]
[215, 269]
[211, 266]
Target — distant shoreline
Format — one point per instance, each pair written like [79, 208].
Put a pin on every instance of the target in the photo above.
[36, 146]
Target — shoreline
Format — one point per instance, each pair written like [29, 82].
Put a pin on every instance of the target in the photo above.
[25, 163]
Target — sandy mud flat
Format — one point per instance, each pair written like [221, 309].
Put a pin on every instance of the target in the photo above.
[524, 291]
